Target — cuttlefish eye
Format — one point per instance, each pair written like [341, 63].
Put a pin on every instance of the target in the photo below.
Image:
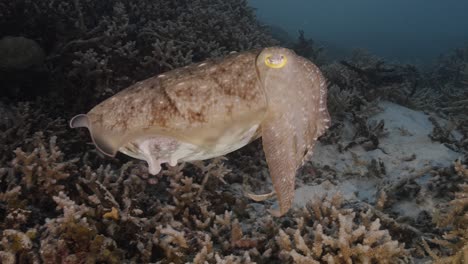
[275, 61]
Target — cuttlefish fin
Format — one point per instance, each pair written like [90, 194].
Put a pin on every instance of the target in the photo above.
[80, 120]
[324, 116]
[99, 141]
[279, 147]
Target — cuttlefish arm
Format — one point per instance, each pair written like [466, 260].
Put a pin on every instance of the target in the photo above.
[296, 117]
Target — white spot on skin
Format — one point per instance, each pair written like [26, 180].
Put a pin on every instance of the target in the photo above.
[173, 162]
[203, 64]
[161, 76]
[181, 83]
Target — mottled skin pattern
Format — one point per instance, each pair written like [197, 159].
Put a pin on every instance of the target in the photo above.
[182, 103]
[214, 105]
[296, 117]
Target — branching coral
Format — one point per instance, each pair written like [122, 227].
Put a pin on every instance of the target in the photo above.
[77, 226]
[18, 243]
[99, 47]
[309, 49]
[113, 215]
[58, 203]
[444, 89]
[44, 167]
[451, 68]
[329, 233]
[370, 78]
[17, 122]
[456, 220]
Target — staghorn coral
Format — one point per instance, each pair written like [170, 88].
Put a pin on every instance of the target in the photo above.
[327, 232]
[99, 47]
[40, 169]
[451, 68]
[77, 226]
[44, 168]
[444, 93]
[169, 222]
[372, 78]
[14, 242]
[309, 49]
[454, 241]
[17, 122]
[126, 215]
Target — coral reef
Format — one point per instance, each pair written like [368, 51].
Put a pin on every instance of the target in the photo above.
[453, 218]
[374, 78]
[60, 202]
[106, 213]
[333, 234]
[307, 48]
[98, 47]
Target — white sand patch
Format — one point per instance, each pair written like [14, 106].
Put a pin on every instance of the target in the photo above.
[405, 151]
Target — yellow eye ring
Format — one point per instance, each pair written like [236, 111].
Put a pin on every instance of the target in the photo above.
[274, 63]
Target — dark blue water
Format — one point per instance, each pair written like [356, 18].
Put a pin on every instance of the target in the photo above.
[414, 31]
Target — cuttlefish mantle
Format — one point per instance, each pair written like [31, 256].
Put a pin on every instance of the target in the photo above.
[215, 107]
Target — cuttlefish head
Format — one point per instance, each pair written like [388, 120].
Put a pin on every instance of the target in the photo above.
[296, 116]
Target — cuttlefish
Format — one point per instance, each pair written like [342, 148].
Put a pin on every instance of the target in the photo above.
[215, 107]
